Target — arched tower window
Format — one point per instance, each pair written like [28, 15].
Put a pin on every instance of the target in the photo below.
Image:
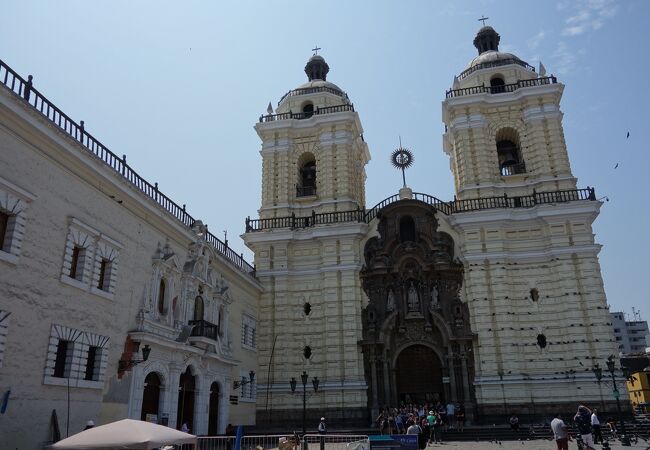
[509, 152]
[306, 176]
[162, 307]
[407, 229]
[308, 110]
[497, 84]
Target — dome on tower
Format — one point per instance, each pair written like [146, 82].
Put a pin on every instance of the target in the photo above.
[487, 43]
[316, 68]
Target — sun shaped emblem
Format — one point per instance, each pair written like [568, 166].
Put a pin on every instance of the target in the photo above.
[402, 158]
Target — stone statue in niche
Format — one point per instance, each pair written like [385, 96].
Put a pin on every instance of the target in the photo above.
[390, 301]
[434, 304]
[413, 299]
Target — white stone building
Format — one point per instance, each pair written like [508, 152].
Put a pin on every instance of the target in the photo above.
[96, 264]
[496, 296]
[632, 336]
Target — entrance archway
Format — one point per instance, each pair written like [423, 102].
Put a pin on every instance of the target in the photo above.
[419, 375]
[151, 398]
[213, 414]
[186, 394]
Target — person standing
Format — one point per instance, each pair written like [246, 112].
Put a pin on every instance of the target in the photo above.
[322, 429]
[451, 418]
[460, 417]
[560, 433]
[514, 422]
[595, 427]
[583, 421]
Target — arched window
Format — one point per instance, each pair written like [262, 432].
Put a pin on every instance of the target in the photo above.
[497, 85]
[509, 152]
[162, 307]
[198, 308]
[407, 229]
[307, 176]
[308, 110]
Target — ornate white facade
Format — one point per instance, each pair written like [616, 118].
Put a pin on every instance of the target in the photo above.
[346, 287]
[95, 265]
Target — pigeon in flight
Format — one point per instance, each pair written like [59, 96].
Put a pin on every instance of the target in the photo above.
[628, 135]
[616, 166]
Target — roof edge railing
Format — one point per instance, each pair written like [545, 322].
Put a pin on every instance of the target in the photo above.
[447, 208]
[25, 89]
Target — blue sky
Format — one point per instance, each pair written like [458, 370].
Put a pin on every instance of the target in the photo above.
[178, 87]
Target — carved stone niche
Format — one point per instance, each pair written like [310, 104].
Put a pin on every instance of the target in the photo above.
[410, 271]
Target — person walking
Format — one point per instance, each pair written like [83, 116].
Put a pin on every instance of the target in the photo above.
[560, 433]
[583, 421]
[595, 427]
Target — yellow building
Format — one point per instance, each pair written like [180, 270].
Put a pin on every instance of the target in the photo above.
[639, 388]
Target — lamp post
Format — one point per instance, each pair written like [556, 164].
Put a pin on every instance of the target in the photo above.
[304, 378]
[611, 368]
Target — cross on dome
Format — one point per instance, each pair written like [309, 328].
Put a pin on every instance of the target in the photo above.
[315, 49]
[483, 18]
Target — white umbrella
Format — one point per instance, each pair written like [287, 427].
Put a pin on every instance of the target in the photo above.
[124, 434]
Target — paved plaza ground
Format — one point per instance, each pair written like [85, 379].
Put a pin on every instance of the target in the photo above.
[524, 445]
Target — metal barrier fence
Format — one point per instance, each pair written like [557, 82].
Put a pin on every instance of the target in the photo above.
[287, 442]
[216, 443]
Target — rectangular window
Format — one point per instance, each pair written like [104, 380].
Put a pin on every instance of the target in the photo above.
[92, 362]
[4, 222]
[76, 264]
[61, 358]
[104, 277]
[248, 326]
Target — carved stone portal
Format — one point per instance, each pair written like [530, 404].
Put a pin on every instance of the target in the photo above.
[415, 318]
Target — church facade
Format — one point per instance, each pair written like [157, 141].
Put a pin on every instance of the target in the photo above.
[494, 300]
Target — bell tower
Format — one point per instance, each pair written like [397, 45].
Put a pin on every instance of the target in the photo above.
[532, 279]
[307, 246]
[313, 152]
[503, 126]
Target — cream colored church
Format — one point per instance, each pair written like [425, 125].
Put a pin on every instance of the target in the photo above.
[494, 300]
[116, 302]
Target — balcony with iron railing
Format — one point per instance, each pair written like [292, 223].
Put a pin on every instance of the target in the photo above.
[488, 65]
[313, 90]
[203, 328]
[24, 89]
[451, 207]
[306, 115]
[504, 88]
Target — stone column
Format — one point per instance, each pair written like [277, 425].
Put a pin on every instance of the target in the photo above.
[172, 394]
[201, 399]
[387, 399]
[452, 375]
[373, 381]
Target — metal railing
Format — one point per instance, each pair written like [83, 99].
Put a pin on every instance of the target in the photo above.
[447, 208]
[501, 89]
[513, 169]
[306, 115]
[203, 328]
[25, 89]
[305, 191]
[501, 62]
[215, 443]
[313, 90]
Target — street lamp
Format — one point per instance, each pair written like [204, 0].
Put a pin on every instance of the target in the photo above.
[237, 384]
[304, 378]
[611, 368]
